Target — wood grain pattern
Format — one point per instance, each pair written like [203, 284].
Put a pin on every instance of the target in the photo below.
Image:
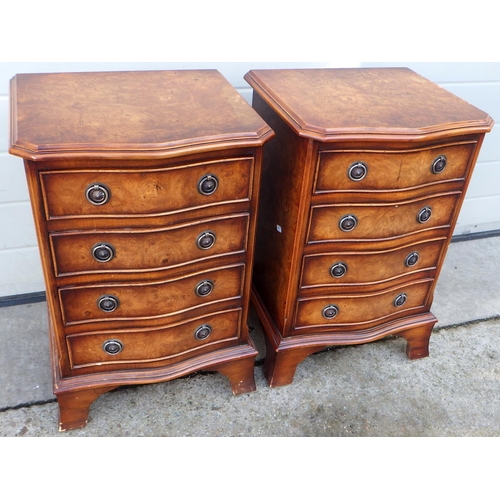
[380, 220]
[162, 191]
[397, 123]
[149, 249]
[363, 310]
[369, 103]
[150, 299]
[137, 114]
[158, 346]
[282, 223]
[391, 170]
[369, 267]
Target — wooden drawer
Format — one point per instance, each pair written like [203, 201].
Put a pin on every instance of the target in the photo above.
[132, 301]
[369, 267]
[373, 221]
[135, 250]
[381, 170]
[165, 344]
[361, 309]
[144, 192]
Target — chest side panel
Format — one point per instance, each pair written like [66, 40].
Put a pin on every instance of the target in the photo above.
[287, 176]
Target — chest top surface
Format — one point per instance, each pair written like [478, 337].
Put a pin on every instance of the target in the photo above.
[332, 104]
[125, 114]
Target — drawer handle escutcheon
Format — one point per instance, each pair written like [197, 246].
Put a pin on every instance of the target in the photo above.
[103, 252]
[97, 194]
[424, 215]
[202, 332]
[108, 303]
[439, 164]
[208, 184]
[348, 223]
[400, 299]
[357, 171]
[338, 269]
[205, 240]
[112, 347]
[204, 288]
[412, 259]
[329, 312]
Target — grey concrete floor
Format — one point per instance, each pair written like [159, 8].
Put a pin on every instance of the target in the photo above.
[366, 390]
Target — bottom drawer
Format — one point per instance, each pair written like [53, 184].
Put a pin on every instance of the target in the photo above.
[152, 345]
[362, 309]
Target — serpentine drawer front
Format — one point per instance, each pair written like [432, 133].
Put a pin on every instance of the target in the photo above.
[150, 299]
[148, 249]
[374, 170]
[91, 352]
[361, 190]
[362, 309]
[98, 193]
[357, 269]
[377, 221]
[144, 187]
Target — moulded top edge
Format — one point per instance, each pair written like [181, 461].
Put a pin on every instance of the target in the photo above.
[124, 114]
[373, 103]
[130, 151]
[425, 134]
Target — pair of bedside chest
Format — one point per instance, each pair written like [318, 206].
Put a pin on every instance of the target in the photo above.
[154, 219]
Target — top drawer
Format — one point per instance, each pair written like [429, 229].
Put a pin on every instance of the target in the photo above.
[145, 192]
[375, 170]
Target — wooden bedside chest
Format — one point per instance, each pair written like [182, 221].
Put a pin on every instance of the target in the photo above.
[361, 190]
[144, 188]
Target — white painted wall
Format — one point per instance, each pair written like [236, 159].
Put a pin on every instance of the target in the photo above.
[20, 268]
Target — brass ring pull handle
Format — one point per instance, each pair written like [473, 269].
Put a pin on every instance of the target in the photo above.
[338, 269]
[424, 215]
[412, 259]
[103, 252]
[330, 311]
[357, 171]
[97, 194]
[439, 164]
[108, 303]
[205, 240]
[112, 347]
[348, 223]
[400, 299]
[204, 288]
[208, 184]
[202, 332]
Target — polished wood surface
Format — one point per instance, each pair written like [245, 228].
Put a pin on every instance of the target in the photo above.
[150, 299]
[378, 221]
[366, 104]
[158, 345]
[144, 188]
[137, 250]
[361, 310]
[163, 191]
[369, 268]
[366, 174]
[134, 114]
[391, 170]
